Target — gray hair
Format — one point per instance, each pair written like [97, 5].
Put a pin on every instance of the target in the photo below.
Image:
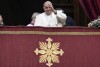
[47, 2]
[34, 15]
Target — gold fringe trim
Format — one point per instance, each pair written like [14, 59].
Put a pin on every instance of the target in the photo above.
[49, 33]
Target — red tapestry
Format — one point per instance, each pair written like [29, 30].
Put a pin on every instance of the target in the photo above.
[49, 47]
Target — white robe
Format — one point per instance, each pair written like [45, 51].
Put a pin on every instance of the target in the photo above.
[30, 25]
[43, 20]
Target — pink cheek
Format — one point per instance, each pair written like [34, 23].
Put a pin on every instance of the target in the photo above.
[33, 20]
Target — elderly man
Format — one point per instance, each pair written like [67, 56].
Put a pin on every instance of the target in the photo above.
[50, 17]
[1, 21]
[33, 18]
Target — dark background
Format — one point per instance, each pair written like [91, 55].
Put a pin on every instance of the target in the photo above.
[19, 12]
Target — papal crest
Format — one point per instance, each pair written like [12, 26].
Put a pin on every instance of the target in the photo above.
[49, 52]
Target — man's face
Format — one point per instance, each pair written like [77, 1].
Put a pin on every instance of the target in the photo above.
[33, 19]
[47, 8]
[1, 21]
[0, 18]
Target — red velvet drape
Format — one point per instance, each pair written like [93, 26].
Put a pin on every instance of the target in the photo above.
[91, 8]
[81, 46]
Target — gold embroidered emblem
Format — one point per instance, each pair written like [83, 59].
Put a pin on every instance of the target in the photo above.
[49, 52]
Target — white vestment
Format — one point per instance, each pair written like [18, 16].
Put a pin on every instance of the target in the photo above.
[30, 25]
[44, 20]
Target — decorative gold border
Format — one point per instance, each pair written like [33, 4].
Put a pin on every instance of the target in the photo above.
[49, 33]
